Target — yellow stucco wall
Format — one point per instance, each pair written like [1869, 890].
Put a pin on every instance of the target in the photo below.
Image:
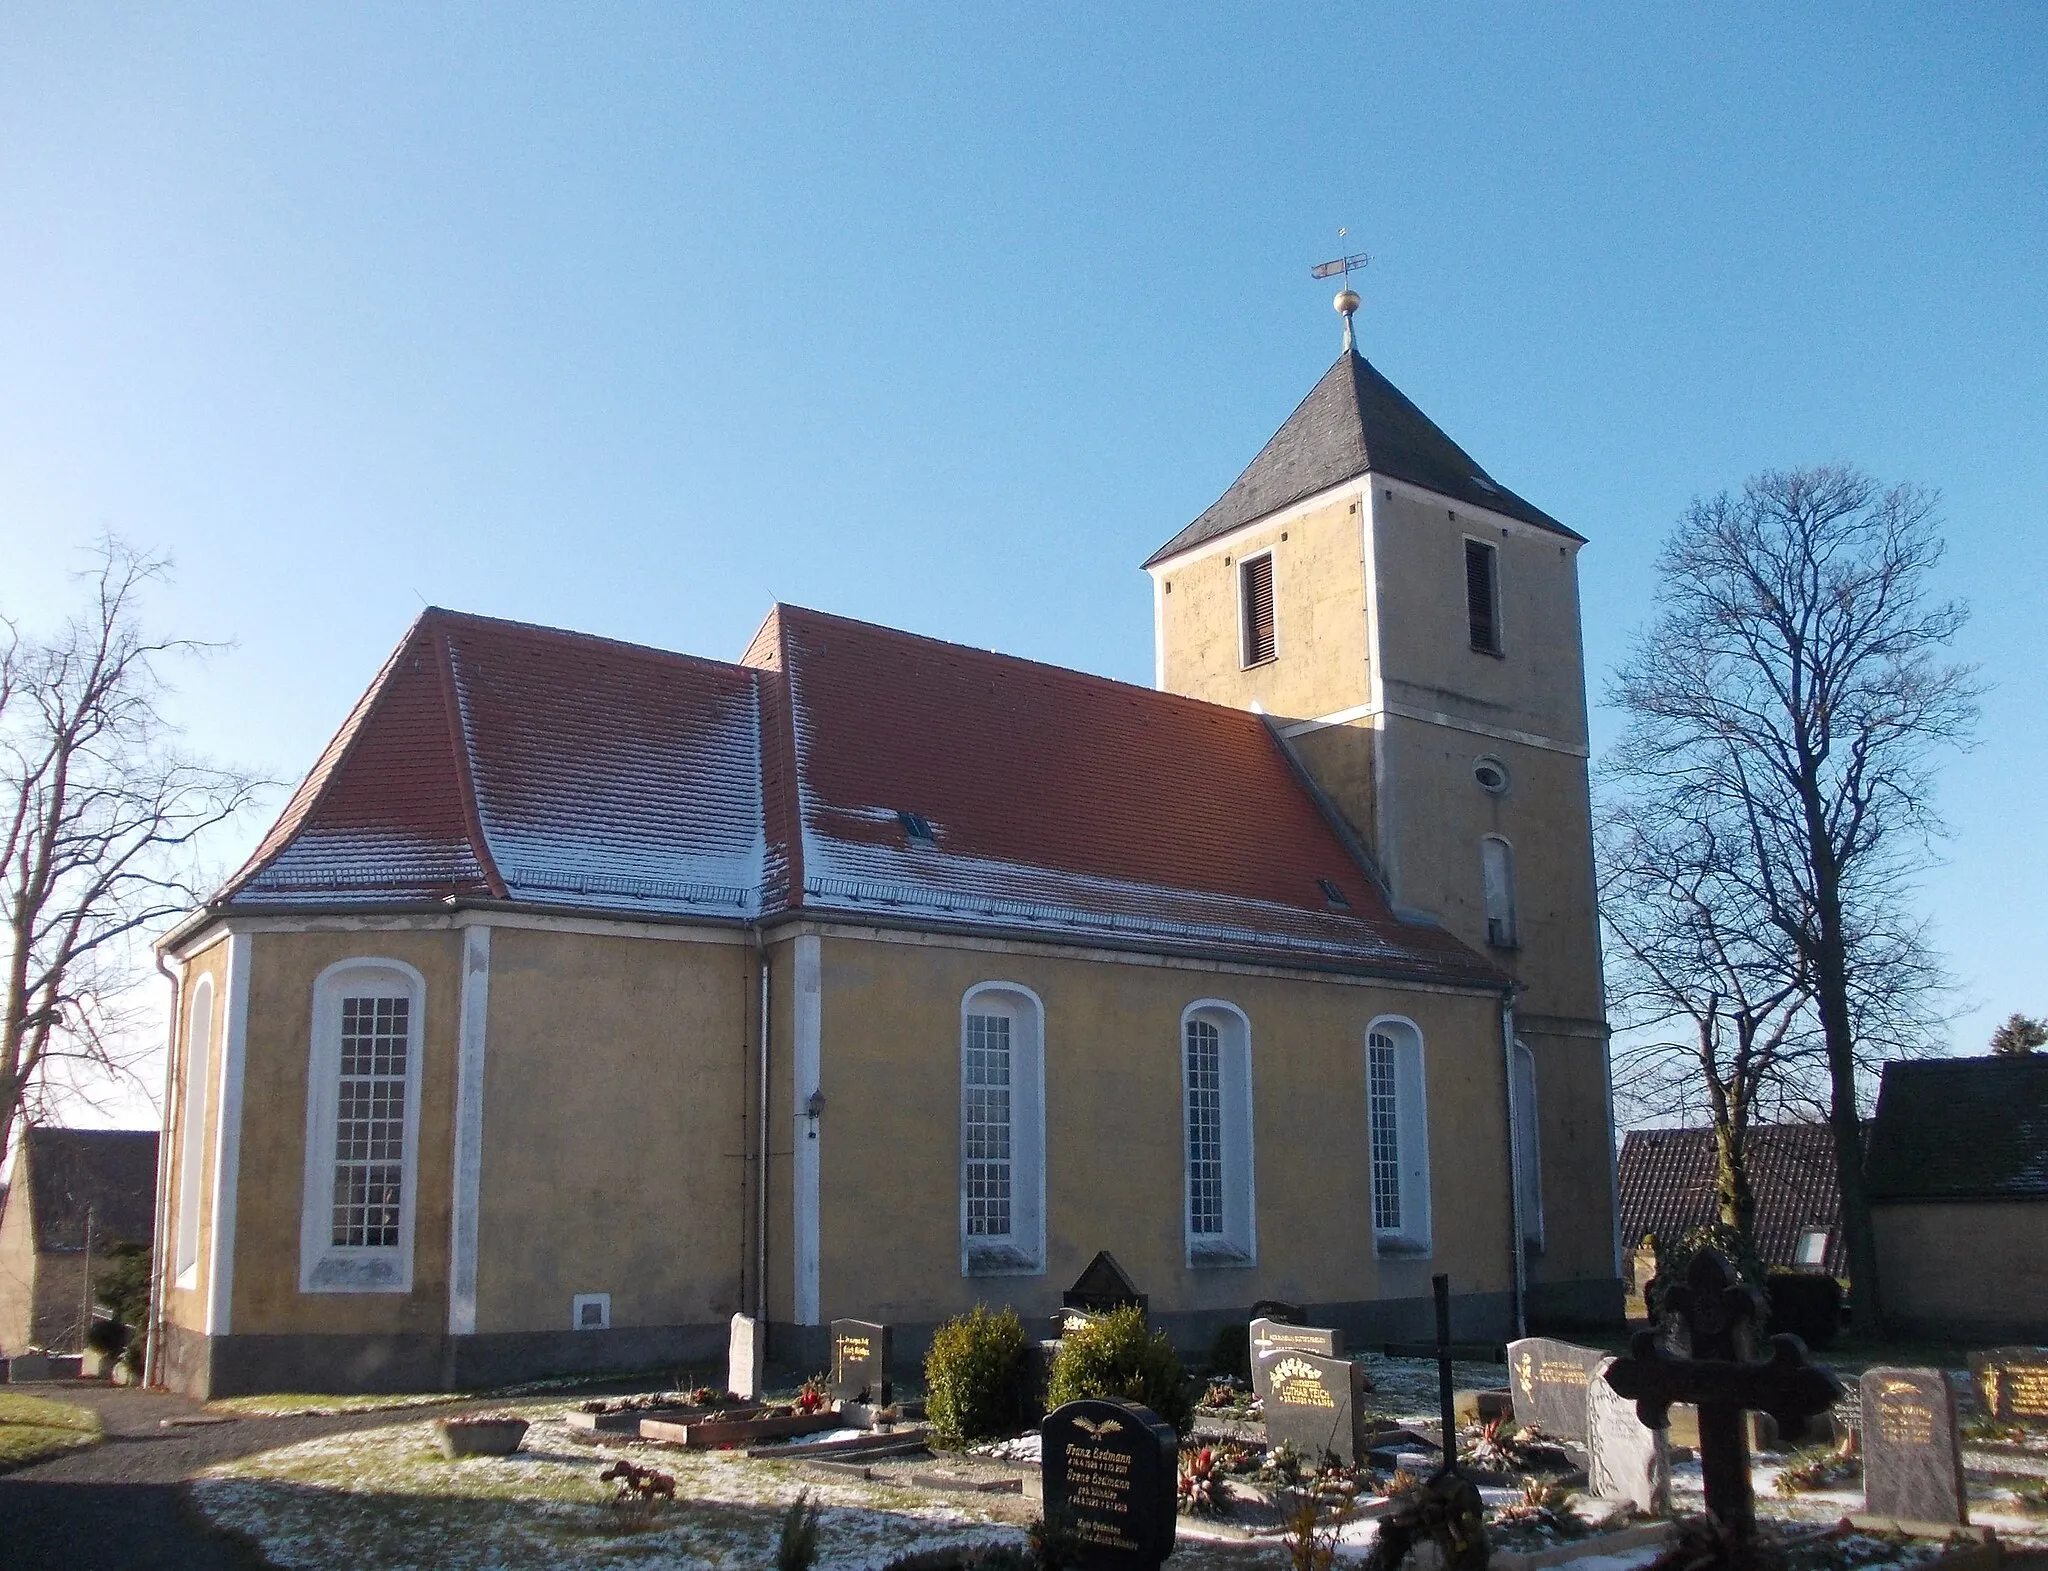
[185, 1305]
[615, 1120]
[271, 1185]
[890, 1153]
[1320, 664]
[1932, 1261]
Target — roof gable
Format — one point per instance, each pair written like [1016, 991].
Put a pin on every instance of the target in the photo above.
[1961, 1129]
[1353, 421]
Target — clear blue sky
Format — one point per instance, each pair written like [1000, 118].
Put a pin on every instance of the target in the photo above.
[637, 319]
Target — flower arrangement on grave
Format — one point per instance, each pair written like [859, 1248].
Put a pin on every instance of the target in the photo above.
[1817, 1467]
[1445, 1509]
[812, 1397]
[1203, 1490]
[1542, 1506]
[1281, 1467]
[1705, 1543]
[644, 1494]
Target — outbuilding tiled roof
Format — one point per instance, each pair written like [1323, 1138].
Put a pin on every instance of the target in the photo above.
[1961, 1129]
[494, 761]
[1353, 421]
[109, 1172]
[1666, 1177]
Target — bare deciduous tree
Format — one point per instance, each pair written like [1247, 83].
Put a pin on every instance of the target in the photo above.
[1795, 684]
[99, 810]
[1710, 1003]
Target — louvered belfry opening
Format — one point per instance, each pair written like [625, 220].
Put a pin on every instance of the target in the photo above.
[1255, 593]
[1480, 600]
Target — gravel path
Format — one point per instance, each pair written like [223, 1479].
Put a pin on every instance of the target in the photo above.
[121, 1505]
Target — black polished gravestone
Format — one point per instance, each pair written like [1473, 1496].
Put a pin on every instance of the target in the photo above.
[1314, 1404]
[2014, 1384]
[1110, 1473]
[860, 1362]
[1912, 1457]
[1548, 1379]
[1271, 1336]
[1101, 1287]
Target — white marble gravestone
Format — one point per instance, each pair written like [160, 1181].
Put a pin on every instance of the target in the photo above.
[1627, 1460]
[743, 1360]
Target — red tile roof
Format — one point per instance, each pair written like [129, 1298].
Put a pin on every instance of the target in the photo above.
[493, 760]
[1666, 1177]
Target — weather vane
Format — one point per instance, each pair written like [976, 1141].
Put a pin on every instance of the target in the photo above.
[1347, 297]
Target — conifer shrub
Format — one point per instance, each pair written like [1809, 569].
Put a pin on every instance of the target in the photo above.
[1117, 1358]
[1806, 1303]
[1231, 1351]
[977, 1378]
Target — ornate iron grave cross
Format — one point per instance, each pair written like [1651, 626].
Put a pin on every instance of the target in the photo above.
[1721, 1383]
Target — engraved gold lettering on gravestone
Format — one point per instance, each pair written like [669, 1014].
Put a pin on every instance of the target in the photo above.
[2027, 1390]
[1902, 1418]
[1297, 1383]
[853, 1348]
[1525, 1374]
[1100, 1480]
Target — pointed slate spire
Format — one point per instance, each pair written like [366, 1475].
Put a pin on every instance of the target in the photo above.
[1354, 421]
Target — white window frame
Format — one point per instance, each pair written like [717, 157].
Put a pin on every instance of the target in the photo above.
[1022, 1251]
[601, 1302]
[1503, 927]
[1411, 1236]
[1244, 621]
[1825, 1235]
[1237, 1244]
[1528, 1145]
[199, 1061]
[324, 1266]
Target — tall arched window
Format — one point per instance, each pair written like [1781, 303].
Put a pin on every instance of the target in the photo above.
[1216, 1104]
[192, 1137]
[362, 1129]
[1497, 871]
[1397, 1118]
[1528, 1152]
[1002, 1131]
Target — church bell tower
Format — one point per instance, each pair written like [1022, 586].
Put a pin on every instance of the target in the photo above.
[1410, 627]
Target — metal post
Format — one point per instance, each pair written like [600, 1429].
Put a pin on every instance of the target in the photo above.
[1442, 1286]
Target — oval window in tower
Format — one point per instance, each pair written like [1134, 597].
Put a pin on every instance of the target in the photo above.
[1492, 776]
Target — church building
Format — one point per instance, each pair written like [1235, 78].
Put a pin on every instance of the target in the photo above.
[585, 994]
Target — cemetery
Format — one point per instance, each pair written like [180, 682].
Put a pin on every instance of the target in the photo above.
[1019, 1451]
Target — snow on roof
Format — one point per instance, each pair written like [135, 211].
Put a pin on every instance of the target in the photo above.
[495, 760]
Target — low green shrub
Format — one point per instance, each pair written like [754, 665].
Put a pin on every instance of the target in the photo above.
[1116, 1357]
[1806, 1303]
[977, 1378]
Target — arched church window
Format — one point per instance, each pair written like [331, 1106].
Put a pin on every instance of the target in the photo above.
[1497, 873]
[1397, 1119]
[1002, 1131]
[362, 1128]
[1216, 1106]
[192, 1136]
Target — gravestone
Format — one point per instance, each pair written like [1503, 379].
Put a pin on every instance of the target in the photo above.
[745, 1355]
[2014, 1384]
[1912, 1459]
[1065, 1320]
[1549, 1378]
[1103, 1286]
[1314, 1404]
[1272, 1335]
[860, 1362]
[1110, 1471]
[32, 1366]
[1626, 1458]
